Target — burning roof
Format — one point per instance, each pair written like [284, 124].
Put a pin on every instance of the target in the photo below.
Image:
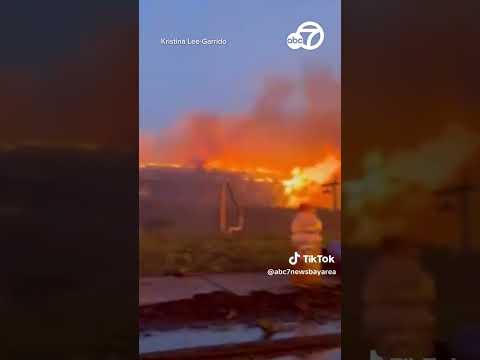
[289, 140]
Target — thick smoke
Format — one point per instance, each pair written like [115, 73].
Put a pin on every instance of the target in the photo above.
[294, 122]
[396, 190]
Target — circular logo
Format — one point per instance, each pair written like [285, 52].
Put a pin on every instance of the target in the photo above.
[314, 36]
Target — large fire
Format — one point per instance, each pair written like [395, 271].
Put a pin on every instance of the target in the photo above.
[289, 139]
[303, 184]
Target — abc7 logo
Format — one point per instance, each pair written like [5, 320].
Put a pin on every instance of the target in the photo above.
[315, 32]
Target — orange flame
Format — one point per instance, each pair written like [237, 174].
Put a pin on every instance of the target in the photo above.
[304, 183]
[289, 139]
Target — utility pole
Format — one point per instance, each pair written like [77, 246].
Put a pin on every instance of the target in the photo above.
[331, 188]
[462, 193]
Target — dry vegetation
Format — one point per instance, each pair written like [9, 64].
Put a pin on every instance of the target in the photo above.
[166, 253]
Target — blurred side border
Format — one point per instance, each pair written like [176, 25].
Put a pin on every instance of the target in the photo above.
[409, 76]
[69, 179]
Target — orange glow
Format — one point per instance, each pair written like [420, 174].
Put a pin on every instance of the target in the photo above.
[160, 165]
[287, 142]
[302, 184]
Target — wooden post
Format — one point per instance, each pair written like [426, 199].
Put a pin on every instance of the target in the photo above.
[223, 208]
[332, 189]
[462, 193]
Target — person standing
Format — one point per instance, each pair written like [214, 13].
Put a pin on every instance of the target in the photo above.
[306, 237]
[399, 297]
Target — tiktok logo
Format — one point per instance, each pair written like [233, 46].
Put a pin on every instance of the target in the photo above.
[294, 259]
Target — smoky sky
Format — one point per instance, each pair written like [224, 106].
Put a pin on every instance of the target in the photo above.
[412, 81]
[62, 89]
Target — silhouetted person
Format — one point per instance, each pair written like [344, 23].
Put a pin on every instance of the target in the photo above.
[398, 297]
[306, 239]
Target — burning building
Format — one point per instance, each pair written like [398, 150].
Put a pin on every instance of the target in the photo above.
[189, 199]
[274, 156]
